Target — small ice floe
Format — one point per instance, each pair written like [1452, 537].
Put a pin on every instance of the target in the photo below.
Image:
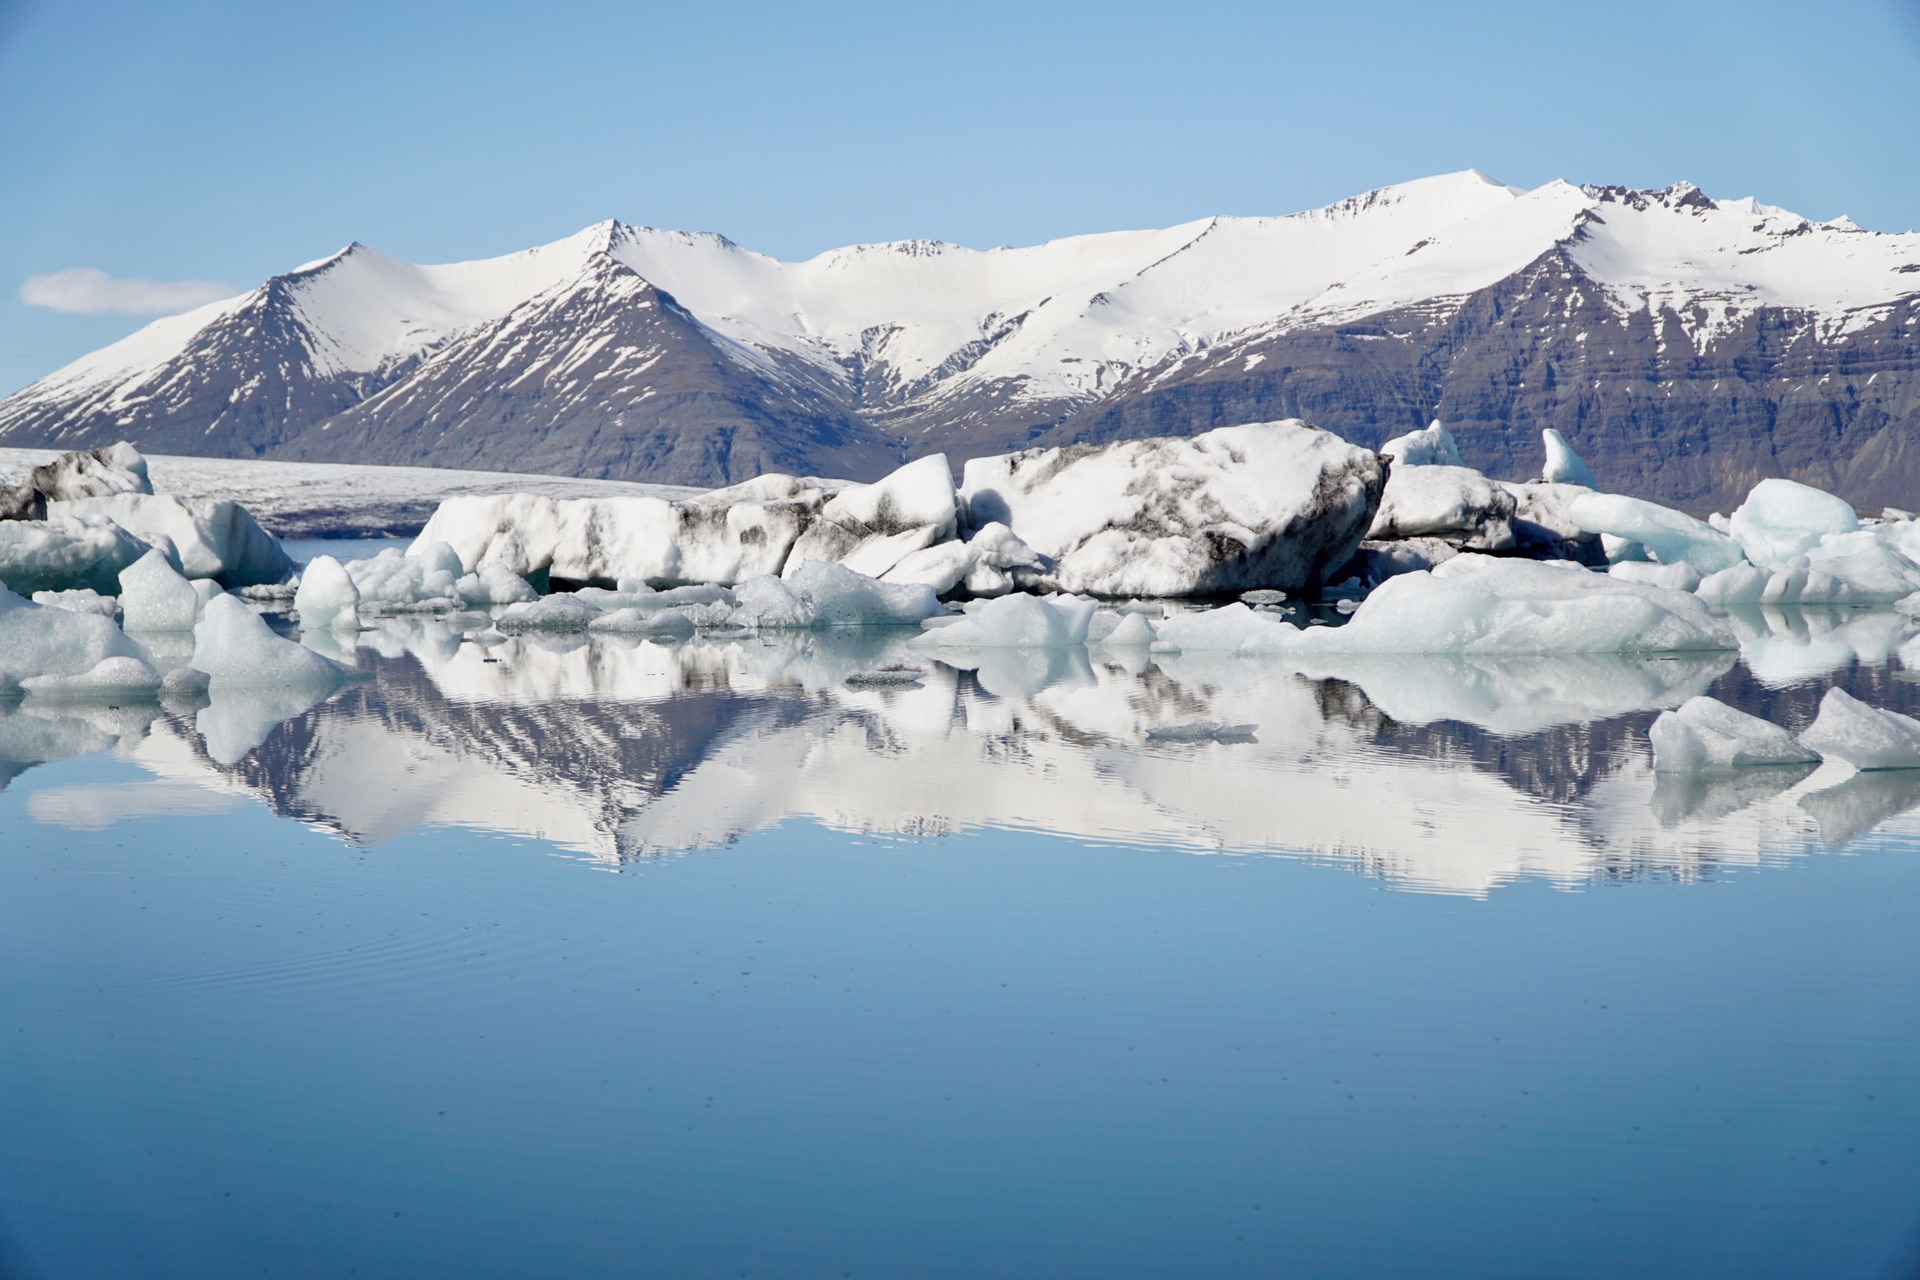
[1263, 595]
[1345, 605]
[1202, 731]
[1863, 736]
[1707, 736]
[890, 679]
[1015, 621]
[80, 600]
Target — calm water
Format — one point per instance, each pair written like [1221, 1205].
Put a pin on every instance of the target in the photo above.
[596, 959]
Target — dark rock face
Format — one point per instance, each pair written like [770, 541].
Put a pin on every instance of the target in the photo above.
[1650, 413]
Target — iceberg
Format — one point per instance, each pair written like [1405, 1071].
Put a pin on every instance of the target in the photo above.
[1477, 605]
[1670, 535]
[80, 600]
[725, 536]
[1455, 504]
[212, 538]
[153, 597]
[871, 527]
[1674, 577]
[121, 677]
[37, 640]
[943, 566]
[1015, 621]
[1707, 736]
[1277, 504]
[821, 593]
[1564, 466]
[1782, 519]
[560, 612]
[1432, 447]
[1863, 736]
[327, 597]
[238, 650]
[1872, 573]
[65, 552]
[87, 473]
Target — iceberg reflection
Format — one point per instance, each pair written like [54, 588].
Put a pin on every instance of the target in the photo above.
[1449, 774]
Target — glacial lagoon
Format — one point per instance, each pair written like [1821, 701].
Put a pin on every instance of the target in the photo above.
[819, 955]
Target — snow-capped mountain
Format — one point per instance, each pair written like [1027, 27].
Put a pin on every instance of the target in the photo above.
[1688, 346]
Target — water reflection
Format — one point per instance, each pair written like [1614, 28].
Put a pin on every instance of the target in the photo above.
[1453, 775]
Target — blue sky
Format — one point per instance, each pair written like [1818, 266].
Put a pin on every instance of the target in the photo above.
[223, 141]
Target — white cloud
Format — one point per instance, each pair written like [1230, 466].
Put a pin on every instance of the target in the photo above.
[89, 291]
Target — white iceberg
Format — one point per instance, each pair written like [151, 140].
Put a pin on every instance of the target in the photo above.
[1704, 735]
[1673, 536]
[65, 552]
[1782, 519]
[871, 527]
[943, 566]
[1015, 621]
[493, 584]
[562, 611]
[211, 538]
[1477, 605]
[1674, 577]
[121, 677]
[725, 536]
[824, 594]
[153, 597]
[1278, 504]
[1453, 503]
[1432, 447]
[80, 600]
[1863, 736]
[1564, 466]
[238, 650]
[36, 640]
[1872, 573]
[327, 597]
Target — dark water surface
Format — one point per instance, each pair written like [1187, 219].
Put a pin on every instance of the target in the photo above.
[615, 960]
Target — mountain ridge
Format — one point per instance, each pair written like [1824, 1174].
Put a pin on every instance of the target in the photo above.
[1670, 336]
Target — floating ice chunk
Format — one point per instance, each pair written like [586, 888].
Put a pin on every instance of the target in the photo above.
[212, 538]
[1707, 736]
[1564, 466]
[1873, 574]
[1118, 631]
[1454, 503]
[327, 597]
[1277, 504]
[943, 566]
[1432, 447]
[1002, 548]
[81, 600]
[122, 677]
[725, 536]
[400, 580]
[560, 612]
[870, 527]
[1670, 535]
[65, 552]
[1203, 731]
[155, 598]
[1782, 519]
[238, 650]
[822, 594]
[36, 640]
[1863, 736]
[1016, 621]
[494, 584]
[1478, 605]
[645, 622]
[1543, 516]
[1674, 577]
[1624, 550]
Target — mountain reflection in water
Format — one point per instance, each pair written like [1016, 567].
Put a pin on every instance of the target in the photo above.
[1441, 774]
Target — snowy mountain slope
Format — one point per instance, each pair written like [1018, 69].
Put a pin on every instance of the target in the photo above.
[637, 353]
